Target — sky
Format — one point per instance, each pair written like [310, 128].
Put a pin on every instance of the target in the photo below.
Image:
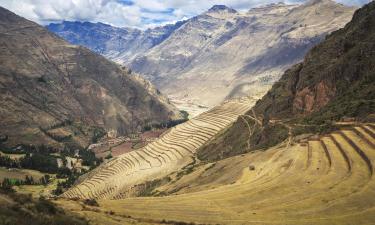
[129, 13]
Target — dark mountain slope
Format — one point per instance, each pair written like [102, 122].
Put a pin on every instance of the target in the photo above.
[52, 91]
[336, 80]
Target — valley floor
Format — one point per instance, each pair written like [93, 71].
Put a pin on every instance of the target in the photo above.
[322, 180]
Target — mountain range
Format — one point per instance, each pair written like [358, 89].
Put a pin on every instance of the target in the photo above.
[53, 92]
[219, 54]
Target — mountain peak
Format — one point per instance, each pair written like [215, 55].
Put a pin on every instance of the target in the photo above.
[221, 8]
[315, 2]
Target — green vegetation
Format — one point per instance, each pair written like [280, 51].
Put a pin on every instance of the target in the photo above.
[109, 156]
[40, 162]
[29, 180]
[42, 79]
[184, 114]
[44, 159]
[163, 125]
[71, 179]
[89, 158]
[6, 161]
[98, 134]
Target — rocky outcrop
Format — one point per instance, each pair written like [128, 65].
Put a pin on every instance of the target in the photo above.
[53, 92]
[311, 99]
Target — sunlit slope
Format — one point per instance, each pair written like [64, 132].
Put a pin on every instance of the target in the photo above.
[326, 180]
[168, 154]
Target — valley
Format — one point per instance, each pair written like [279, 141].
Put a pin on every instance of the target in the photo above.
[258, 116]
[219, 54]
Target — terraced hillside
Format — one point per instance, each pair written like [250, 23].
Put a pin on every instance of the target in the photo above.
[168, 154]
[322, 180]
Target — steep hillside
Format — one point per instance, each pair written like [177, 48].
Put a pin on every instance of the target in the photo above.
[223, 53]
[336, 80]
[53, 92]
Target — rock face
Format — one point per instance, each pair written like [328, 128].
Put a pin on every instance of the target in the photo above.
[335, 81]
[52, 91]
[219, 54]
[118, 44]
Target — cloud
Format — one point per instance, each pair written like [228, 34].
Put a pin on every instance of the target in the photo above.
[128, 13]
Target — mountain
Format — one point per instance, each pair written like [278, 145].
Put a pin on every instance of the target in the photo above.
[335, 82]
[112, 42]
[53, 92]
[223, 53]
[219, 54]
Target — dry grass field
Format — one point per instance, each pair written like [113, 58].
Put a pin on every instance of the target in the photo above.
[39, 190]
[326, 180]
[12, 156]
[20, 174]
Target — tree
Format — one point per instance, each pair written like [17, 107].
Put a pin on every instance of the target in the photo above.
[45, 179]
[29, 180]
[6, 185]
[109, 156]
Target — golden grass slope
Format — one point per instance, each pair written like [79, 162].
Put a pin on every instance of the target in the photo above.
[326, 180]
[171, 152]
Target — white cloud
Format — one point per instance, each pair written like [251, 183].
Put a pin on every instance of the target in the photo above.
[129, 13]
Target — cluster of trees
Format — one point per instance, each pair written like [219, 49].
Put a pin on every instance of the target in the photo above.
[23, 149]
[40, 158]
[43, 161]
[37, 161]
[70, 180]
[98, 134]
[168, 124]
[40, 162]
[89, 158]
[8, 183]
[6, 161]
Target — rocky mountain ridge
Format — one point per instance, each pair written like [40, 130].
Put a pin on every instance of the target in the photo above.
[113, 42]
[223, 53]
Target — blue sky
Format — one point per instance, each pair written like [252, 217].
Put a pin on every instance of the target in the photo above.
[128, 13]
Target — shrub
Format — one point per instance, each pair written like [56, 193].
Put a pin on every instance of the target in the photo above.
[91, 202]
[45, 206]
